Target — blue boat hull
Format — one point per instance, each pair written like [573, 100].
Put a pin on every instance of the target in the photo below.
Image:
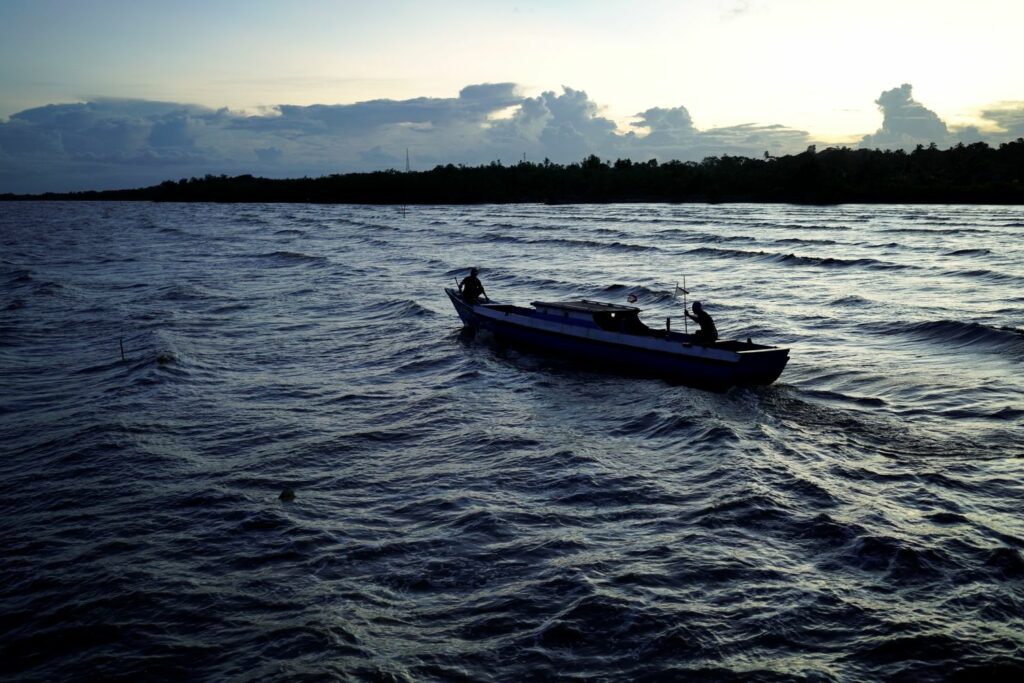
[747, 369]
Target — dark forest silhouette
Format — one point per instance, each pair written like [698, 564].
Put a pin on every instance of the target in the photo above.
[964, 174]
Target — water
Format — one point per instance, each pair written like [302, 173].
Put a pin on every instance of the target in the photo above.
[466, 511]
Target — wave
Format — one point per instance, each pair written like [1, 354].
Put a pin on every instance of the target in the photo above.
[958, 335]
[797, 240]
[19, 277]
[718, 239]
[660, 425]
[794, 260]
[184, 293]
[231, 308]
[987, 276]
[18, 281]
[896, 558]
[830, 262]
[851, 300]
[705, 236]
[779, 225]
[250, 218]
[968, 252]
[836, 396]
[572, 243]
[398, 308]
[1006, 413]
[290, 258]
[934, 231]
[610, 232]
[644, 295]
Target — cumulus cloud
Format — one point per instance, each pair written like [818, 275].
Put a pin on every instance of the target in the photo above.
[104, 128]
[667, 124]
[110, 143]
[905, 122]
[562, 126]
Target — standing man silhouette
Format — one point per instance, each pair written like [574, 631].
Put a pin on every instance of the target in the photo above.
[471, 288]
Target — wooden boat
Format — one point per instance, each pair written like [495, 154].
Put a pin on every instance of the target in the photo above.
[613, 337]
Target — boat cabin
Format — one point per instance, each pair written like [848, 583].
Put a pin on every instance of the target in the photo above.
[610, 317]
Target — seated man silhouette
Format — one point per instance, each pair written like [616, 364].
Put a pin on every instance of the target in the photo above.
[708, 333]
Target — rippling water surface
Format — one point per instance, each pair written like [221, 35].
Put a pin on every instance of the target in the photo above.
[469, 511]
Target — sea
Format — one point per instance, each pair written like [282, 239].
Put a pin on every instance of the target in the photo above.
[468, 511]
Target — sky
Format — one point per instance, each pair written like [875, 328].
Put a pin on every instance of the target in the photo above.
[110, 93]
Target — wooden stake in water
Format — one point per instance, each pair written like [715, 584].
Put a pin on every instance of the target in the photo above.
[120, 341]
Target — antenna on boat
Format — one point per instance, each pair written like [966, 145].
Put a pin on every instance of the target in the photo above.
[678, 290]
[686, 324]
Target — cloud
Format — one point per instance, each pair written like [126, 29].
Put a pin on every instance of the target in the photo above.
[1009, 117]
[112, 143]
[671, 134]
[906, 122]
[667, 124]
[380, 157]
[177, 130]
[473, 105]
[109, 143]
[19, 138]
[268, 155]
[564, 126]
[107, 129]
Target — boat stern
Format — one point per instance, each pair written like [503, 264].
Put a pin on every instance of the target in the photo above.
[761, 366]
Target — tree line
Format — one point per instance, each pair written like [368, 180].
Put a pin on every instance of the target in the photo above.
[963, 174]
